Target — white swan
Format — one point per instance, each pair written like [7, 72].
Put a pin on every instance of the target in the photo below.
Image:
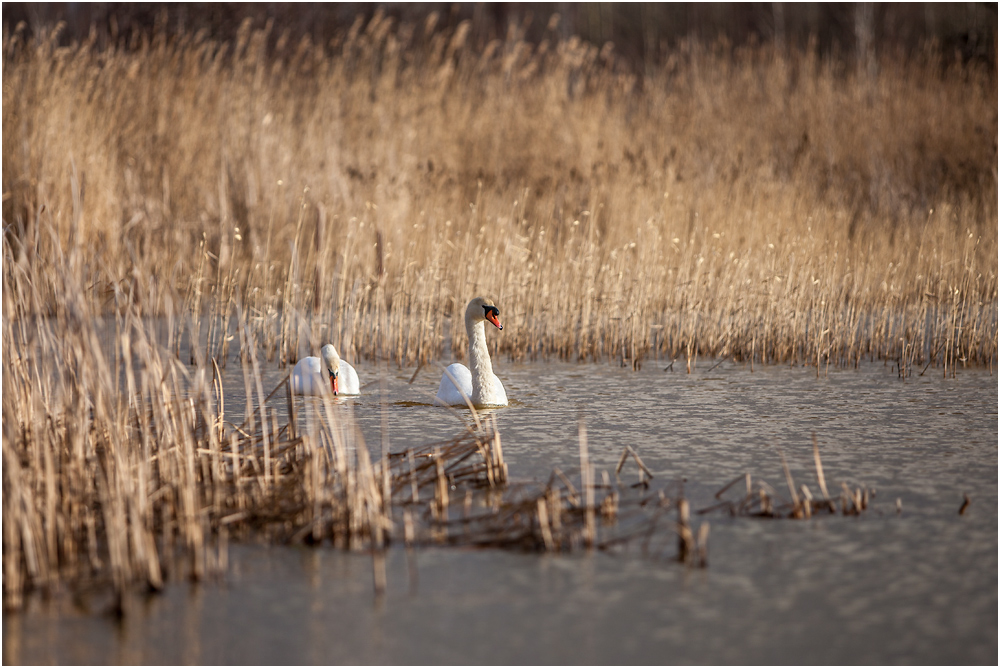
[308, 377]
[480, 385]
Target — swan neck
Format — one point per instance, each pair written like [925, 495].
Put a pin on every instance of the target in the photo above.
[479, 355]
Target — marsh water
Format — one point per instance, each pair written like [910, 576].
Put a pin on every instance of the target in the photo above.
[909, 581]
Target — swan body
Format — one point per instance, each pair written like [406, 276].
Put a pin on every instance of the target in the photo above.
[478, 384]
[313, 376]
[450, 395]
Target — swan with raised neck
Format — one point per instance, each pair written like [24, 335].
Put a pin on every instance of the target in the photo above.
[478, 383]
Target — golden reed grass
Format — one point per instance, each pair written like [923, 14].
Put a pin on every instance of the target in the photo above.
[264, 196]
[742, 203]
[124, 469]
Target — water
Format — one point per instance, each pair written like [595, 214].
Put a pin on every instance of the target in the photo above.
[918, 586]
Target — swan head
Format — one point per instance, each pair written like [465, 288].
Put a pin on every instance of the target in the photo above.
[483, 308]
[332, 361]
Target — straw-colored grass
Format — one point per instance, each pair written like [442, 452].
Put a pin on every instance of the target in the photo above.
[122, 467]
[261, 200]
[743, 203]
[113, 485]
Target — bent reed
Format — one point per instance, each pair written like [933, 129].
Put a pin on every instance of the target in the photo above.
[261, 197]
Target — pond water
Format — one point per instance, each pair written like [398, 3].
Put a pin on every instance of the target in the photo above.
[916, 586]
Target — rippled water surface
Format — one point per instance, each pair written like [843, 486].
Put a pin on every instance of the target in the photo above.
[916, 586]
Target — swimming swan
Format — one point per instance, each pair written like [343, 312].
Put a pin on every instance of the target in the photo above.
[480, 385]
[308, 377]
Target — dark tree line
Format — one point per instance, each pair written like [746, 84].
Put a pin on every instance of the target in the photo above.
[641, 32]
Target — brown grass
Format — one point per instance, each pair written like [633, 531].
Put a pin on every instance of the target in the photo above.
[730, 202]
[124, 469]
[115, 485]
[734, 203]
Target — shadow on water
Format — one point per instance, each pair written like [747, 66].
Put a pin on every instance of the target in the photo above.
[910, 581]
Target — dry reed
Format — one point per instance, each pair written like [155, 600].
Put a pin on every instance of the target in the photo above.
[744, 203]
[254, 200]
[760, 499]
[559, 516]
[113, 490]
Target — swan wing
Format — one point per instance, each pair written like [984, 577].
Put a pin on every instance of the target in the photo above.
[448, 394]
[348, 382]
[307, 377]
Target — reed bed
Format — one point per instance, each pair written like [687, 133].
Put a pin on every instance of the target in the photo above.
[248, 201]
[124, 470]
[121, 472]
[750, 203]
[124, 467]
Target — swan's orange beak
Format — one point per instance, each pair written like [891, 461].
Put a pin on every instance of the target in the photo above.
[333, 384]
[492, 317]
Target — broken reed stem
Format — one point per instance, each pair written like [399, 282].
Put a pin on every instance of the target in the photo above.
[499, 465]
[643, 470]
[685, 539]
[966, 502]
[441, 487]
[703, 544]
[820, 478]
[543, 523]
[796, 506]
[587, 481]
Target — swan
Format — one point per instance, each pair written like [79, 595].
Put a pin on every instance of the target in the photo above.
[308, 377]
[480, 385]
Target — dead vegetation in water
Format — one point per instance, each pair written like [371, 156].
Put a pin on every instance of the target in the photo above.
[122, 472]
[759, 499]
[126, 470]
[447, 500]
[124, 467]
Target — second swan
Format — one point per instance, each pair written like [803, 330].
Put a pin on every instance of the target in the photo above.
[308, 377]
